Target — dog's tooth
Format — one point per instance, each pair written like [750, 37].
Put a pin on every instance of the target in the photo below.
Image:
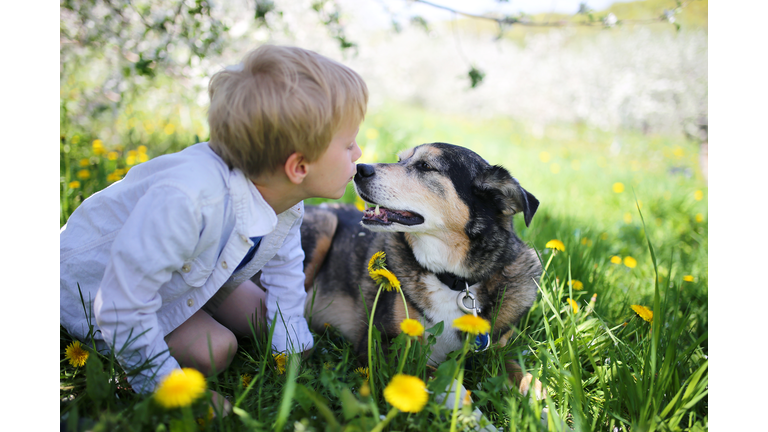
[377, 211]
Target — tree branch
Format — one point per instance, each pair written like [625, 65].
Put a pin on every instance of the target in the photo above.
[563, 23]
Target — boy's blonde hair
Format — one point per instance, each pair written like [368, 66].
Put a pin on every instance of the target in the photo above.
[281, 100]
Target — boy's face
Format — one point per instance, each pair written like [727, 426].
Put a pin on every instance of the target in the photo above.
[329, 175]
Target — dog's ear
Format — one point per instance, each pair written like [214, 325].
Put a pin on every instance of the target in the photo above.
[498, 185]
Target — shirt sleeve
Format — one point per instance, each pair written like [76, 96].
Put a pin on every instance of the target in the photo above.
[156, 239]
[283, 277]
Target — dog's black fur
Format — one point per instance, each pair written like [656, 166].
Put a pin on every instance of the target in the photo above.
[440, 210]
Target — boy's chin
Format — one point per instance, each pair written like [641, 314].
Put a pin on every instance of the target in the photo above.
[335, 196]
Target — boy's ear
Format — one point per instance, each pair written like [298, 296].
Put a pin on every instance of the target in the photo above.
[296, 168]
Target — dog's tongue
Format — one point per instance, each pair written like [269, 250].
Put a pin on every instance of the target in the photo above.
[381, 214]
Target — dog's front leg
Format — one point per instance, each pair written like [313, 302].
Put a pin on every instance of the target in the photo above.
[480, 422]
[524, 382]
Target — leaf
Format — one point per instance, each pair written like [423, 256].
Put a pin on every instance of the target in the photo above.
[476, 76]
[97, 381]
[350, 406]
[248, 421]
[436, 329]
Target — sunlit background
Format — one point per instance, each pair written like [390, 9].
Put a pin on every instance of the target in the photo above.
[598, 108]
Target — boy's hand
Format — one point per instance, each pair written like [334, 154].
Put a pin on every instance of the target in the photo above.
[220, 404]
[305, 354]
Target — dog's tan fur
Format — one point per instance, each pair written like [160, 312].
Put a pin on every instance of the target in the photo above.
[445, 211]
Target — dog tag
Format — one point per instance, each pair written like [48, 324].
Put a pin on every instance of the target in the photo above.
[467, 302]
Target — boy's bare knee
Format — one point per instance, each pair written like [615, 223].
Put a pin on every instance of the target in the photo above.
[203, 344]
[223, 350]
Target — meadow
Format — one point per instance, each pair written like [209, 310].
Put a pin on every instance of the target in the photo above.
[630, 213]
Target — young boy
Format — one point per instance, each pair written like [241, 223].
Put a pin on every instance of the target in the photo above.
[164, 257]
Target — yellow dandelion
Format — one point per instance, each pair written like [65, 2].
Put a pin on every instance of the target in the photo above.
[602, 162]
[363, 372]
[76, 354]
[627, 218]
[141, 149]
[618, 187]
[84, 162]
[112, 155]
[169, 129]
[365, 389]
[246, 379]
[616, 259]
[592, 303]
[203, 422]
[83, 174]
[386, 279]
[688, 278]
[630, 262]
[576, 284]
[180, 388]
[555, 244]
[472, 324]
[699, 217]
[326, 325]
[643, 312]
[372, 134]
[143, 157]
[467, 398]
[113, 177]
[378, 261]
[574, 305]
[98, 147]
[75, 139]
[604, 236]
[360, 204]
[74, 184]
[698, 195]
[544, 156]
[411, 327]
[280, 361]
[406, 393]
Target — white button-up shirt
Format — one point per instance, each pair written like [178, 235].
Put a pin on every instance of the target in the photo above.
[150, 250]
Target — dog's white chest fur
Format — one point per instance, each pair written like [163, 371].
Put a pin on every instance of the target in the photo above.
[444, 308]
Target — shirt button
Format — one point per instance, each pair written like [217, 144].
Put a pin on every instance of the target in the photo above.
[245, 239]
[190, 302]
[224, 264]
[185, 268]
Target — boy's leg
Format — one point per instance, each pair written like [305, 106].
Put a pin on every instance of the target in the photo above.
[189, 344]
[247, 303]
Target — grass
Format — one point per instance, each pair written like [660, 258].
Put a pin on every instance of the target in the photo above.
[605, 367]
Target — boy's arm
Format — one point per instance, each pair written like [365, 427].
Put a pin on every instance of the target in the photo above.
[158, 236]
[283, 277]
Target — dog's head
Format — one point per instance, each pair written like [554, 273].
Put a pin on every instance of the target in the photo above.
[444, 197]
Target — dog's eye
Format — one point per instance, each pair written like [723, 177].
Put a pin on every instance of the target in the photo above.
[424, 166]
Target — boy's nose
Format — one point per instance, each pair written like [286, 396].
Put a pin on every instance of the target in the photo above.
[365, 170]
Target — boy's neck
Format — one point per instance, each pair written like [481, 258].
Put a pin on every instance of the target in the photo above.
[279, 195]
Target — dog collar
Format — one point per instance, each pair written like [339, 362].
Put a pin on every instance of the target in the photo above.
[482, 341]
[454, 282]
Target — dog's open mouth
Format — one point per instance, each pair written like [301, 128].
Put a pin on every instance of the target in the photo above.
[383, 216]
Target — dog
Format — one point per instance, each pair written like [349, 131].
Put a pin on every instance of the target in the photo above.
[443, 216]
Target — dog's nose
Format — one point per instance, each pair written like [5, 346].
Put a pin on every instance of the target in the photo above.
[365, 170]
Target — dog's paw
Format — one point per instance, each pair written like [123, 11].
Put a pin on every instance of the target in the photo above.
[528, 382]
[476, 421]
